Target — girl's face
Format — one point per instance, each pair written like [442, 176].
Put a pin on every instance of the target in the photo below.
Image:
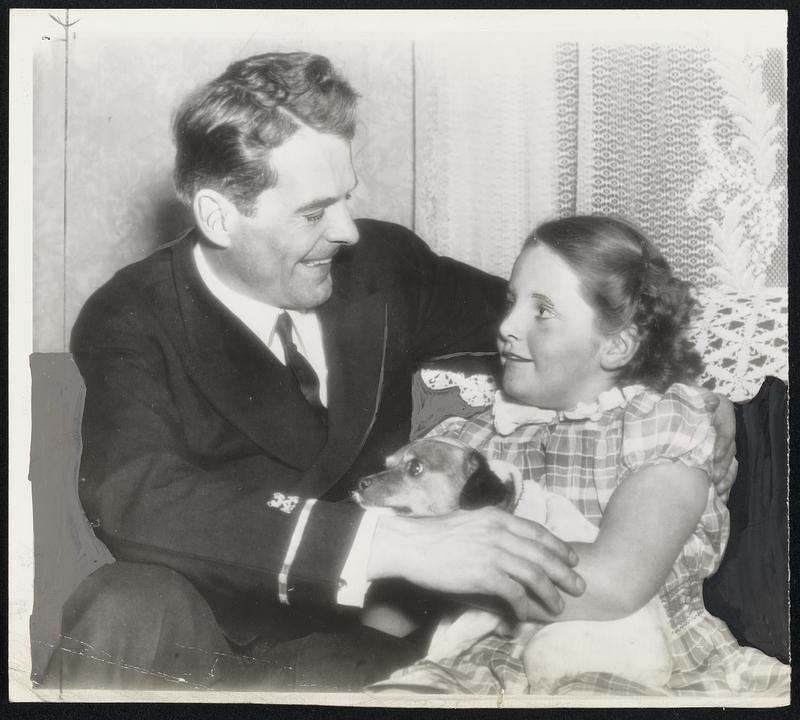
[549, 345]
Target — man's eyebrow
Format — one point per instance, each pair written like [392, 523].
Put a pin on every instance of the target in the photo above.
[320, 203]
[317, 204]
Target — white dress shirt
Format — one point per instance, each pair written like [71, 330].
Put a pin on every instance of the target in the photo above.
[260, 318]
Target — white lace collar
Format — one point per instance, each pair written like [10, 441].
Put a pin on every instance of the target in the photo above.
[509, 415]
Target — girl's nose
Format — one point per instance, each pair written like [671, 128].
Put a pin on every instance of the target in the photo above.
[507, 328]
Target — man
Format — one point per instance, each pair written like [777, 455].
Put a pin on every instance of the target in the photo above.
[238, 383]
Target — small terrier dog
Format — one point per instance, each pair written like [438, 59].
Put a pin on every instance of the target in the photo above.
[435, 476]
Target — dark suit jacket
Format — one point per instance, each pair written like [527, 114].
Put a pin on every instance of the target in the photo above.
[191, 424]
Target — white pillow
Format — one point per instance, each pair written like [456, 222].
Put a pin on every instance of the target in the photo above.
[742, 337]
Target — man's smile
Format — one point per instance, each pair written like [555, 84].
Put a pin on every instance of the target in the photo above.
[315, 263]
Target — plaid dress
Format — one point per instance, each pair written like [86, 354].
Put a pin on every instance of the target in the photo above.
[584, 456]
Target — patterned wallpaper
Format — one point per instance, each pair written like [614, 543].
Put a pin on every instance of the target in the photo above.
[120, 202]
[454, 141]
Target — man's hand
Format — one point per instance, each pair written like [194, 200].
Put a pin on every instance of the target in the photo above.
[486, 552]
[724, 470]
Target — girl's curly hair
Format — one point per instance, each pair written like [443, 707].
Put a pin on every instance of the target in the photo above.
[629, 283]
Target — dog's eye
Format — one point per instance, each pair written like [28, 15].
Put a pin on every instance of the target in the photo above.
[414, 467]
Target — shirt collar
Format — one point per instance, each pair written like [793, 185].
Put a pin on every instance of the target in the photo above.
[257, 315]
[509, 415]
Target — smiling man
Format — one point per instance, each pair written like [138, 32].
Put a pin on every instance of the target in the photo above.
[239, 381]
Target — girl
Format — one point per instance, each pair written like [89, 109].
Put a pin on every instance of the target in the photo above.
[594, 407]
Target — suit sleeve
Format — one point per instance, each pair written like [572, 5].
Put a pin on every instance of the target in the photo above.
[151, 498]
[458, 307]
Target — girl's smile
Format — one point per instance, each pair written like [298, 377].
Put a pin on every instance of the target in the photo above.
[513, 357]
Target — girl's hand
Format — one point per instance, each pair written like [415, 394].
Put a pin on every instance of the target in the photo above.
[724, 420]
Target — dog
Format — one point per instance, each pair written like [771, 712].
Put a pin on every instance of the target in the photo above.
[436, 476]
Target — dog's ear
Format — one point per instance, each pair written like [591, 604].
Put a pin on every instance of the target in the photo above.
[483, 487]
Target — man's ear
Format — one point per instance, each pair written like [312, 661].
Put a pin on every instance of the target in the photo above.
[483, 487]
[617, 350]
[214, 215]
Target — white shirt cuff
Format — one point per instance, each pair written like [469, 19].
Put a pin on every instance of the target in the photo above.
[353, 583]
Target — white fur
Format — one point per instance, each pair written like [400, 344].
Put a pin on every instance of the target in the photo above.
[636, 647]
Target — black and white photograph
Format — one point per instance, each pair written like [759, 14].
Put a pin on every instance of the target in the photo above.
[393, 358]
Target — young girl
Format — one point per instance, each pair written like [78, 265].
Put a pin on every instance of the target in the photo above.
[593, 407]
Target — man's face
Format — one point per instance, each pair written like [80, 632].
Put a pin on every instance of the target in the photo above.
[282, 253]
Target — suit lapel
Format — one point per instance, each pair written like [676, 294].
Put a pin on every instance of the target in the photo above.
[355, 333]
[242, 378]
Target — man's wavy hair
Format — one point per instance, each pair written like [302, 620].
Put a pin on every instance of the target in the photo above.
[224, 131]
[628, 282]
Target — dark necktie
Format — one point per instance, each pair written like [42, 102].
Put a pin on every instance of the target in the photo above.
[304, 374]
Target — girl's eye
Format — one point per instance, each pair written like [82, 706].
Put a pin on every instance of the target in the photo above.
[544, 311]
[414, 467]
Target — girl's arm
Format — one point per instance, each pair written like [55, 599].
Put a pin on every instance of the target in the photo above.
[648, 519]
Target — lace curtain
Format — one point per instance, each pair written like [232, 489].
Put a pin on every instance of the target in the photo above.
[486, 146]
[689, 142]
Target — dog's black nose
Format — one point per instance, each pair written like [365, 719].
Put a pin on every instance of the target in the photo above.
[363, 484]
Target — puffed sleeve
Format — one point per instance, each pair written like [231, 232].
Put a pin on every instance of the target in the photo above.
[665, 428]
[675, 427]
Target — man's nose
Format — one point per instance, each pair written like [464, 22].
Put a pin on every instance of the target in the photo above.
[341, 228]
